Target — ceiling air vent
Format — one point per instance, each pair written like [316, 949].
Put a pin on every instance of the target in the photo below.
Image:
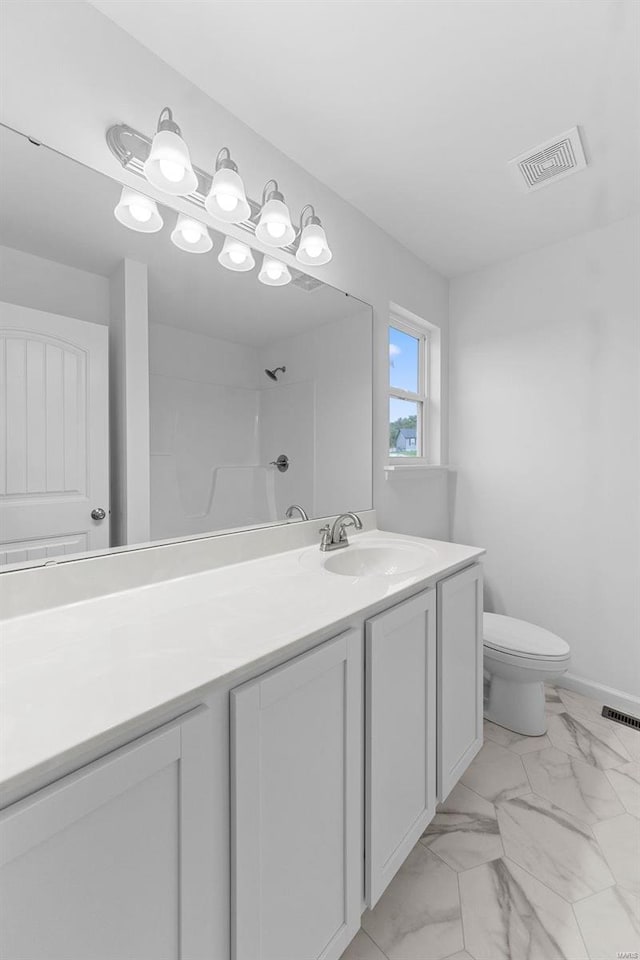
[551, 161]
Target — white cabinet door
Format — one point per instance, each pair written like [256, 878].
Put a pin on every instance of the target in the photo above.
[296, 806]
[400, 736]
[113, 862]
[459, 675]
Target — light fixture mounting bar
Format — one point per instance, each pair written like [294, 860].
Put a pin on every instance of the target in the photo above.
[131, 149]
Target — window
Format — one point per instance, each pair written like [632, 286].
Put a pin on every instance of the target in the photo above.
[408, 366]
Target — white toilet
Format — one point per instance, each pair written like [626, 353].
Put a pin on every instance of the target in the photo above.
[518, 659]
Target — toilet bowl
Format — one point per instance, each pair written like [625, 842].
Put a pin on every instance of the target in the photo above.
[519, 658]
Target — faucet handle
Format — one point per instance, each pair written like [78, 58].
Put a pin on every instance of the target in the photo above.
[342, 530]
[326, 536]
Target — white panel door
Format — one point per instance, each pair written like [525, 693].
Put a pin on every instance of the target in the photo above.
[297, 806]
[115, 862]
[54, 434]
[459, 675]
[400, 736]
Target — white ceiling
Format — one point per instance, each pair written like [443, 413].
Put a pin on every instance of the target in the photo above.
[410, 110]
[53, 207]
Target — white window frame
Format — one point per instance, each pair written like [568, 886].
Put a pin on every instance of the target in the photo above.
[420, 333]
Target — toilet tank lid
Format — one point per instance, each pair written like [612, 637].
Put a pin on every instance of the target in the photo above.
[520, 636]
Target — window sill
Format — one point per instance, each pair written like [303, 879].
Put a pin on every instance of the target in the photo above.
[409, 469]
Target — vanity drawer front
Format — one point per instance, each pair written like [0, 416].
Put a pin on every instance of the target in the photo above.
[296, 806]
[400, 737]
[111, 861]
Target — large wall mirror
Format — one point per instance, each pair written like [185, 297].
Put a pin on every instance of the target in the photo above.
[149, 393]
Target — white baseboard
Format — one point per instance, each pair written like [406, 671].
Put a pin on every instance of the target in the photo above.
[603, 694]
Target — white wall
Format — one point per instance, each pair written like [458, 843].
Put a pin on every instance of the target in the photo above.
[97, 75]
[204, 405]
[544, 437]
[288, 426]
[217, 421]
[31, 281]
[129, 404]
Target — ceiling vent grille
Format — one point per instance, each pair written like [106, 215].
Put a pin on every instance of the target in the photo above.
[304, 281]
[551, 161]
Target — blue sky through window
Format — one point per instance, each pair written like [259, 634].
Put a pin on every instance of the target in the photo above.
[403, 370]
[403, 360]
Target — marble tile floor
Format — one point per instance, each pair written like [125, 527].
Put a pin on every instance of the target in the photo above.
[535, 855]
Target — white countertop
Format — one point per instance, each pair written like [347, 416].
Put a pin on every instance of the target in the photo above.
[73, 674]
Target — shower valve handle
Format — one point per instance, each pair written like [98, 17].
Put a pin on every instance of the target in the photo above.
[282, 463]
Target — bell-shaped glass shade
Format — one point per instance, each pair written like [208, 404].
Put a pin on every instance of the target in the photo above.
[168, 166]
[236, 255]
[274, 227]
[273, 272]
[138, 212]
[227, 199]
[313, 248]
[191, 235]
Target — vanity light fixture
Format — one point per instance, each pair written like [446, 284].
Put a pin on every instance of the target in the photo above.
[138, 212]
[164, 161]
[236, 255]
[313, 248]
[274, 226]
[191, 235]
[168, 166]
[274, 272]
[227, 199]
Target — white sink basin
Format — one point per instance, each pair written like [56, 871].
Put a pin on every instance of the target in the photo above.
[382, 559]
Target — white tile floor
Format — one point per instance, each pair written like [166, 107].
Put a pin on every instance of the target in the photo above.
[534, 856]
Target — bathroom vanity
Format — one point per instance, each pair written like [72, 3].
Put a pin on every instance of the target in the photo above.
[235, 763]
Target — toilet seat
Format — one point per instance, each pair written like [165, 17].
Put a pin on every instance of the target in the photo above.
[520, 639]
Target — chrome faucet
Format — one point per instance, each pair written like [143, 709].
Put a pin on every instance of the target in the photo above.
[335, 537]
[295, 507]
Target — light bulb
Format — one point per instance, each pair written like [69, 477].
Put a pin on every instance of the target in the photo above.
[274, 273]
[273, 269]
[314, 249]
[172, 170]
[168, 166]
[237, 254]
[191, 234]
[274, 226]
[140, 212]
[276, 229]
[226, 201]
